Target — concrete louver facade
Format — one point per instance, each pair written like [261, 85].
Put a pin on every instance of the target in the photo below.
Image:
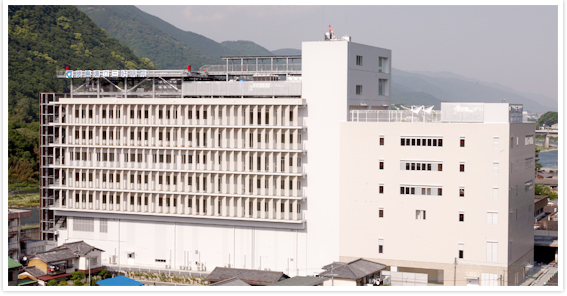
[194, 174]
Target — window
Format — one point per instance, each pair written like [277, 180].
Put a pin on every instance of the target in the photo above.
[83, 224]
[461, 216]
[439, 191]
[381, 213]
[495, 168]
[462, 192]
[381, 164]
[440, 167]
[359, 89]
[462, 142]
[104, 222]
[382, 65]
[359, 60]
[461, 251]
[461, 167]
[528, 185]
[382, 87]
[380, 246]
[529, 140]
[492, 217]
[419, 214]
[496, 142]
[381, 140]
[491, 251]
[381, 189]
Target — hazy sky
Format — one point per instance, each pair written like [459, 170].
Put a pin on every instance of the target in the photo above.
[516, 46]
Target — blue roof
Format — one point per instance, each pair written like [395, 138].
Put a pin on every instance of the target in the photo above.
[119, 281]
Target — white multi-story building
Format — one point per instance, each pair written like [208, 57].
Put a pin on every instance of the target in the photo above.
[234, 165]
[262, 163]
[445, 193]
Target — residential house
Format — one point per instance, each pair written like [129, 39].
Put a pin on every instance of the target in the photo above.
[359, 272]
[301, 281]
[59, 262]
[13, 267]
[249, 276]
[14, 232]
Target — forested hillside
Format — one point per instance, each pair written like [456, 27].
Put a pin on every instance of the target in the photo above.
[166, 45]
[139, 33]
[246, 47]
[41, 40]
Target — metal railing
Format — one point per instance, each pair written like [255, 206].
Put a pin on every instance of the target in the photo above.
[252, 68]
[394, 116]
[243, 88]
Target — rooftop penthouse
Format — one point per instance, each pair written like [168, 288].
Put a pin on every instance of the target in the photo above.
[449, 113]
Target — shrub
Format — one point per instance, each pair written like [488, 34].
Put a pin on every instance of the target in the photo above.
[104, 274]
[52, 283]
[77, 275]
[63, 283]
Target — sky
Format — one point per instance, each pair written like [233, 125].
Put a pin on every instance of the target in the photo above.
[516, 46]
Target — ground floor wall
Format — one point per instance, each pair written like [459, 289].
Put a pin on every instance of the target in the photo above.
[192, 246]
[458, 274]
[517, 270]
[340, 282]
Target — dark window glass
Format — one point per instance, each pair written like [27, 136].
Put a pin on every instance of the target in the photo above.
[440, 167]
[381, 213]
[462, 142]
[381, 165]
[413, 142]
[461, 217]
[428, 142]
[440, 142]
[418, 142]
[439, 191]
[381, 189]
[461, 254]
[381, 141]
[413, 166]
[403, 142]
[462, 167]
[407, 166]
[402, 190]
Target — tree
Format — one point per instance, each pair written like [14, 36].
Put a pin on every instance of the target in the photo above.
[104, 274]
[52, 282]
[77, 275]
[550, 118]
[63, 283]
[545, 190]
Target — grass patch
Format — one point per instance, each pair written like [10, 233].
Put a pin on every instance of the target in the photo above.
[23, 186]
[23, 200]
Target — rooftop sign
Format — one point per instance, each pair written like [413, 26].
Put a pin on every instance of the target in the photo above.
[104, 73]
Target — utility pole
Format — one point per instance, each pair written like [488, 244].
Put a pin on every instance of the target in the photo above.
[332, 275]
[455, 273]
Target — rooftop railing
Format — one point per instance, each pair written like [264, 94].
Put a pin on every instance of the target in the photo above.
[243, 88]
[395, 116]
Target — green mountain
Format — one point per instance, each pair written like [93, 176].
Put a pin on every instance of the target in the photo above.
[41, 40]
[168, 46]
[287, 51]
[246, 47]
[138, 31]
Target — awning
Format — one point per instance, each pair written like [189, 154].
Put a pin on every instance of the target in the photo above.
[119, 281]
